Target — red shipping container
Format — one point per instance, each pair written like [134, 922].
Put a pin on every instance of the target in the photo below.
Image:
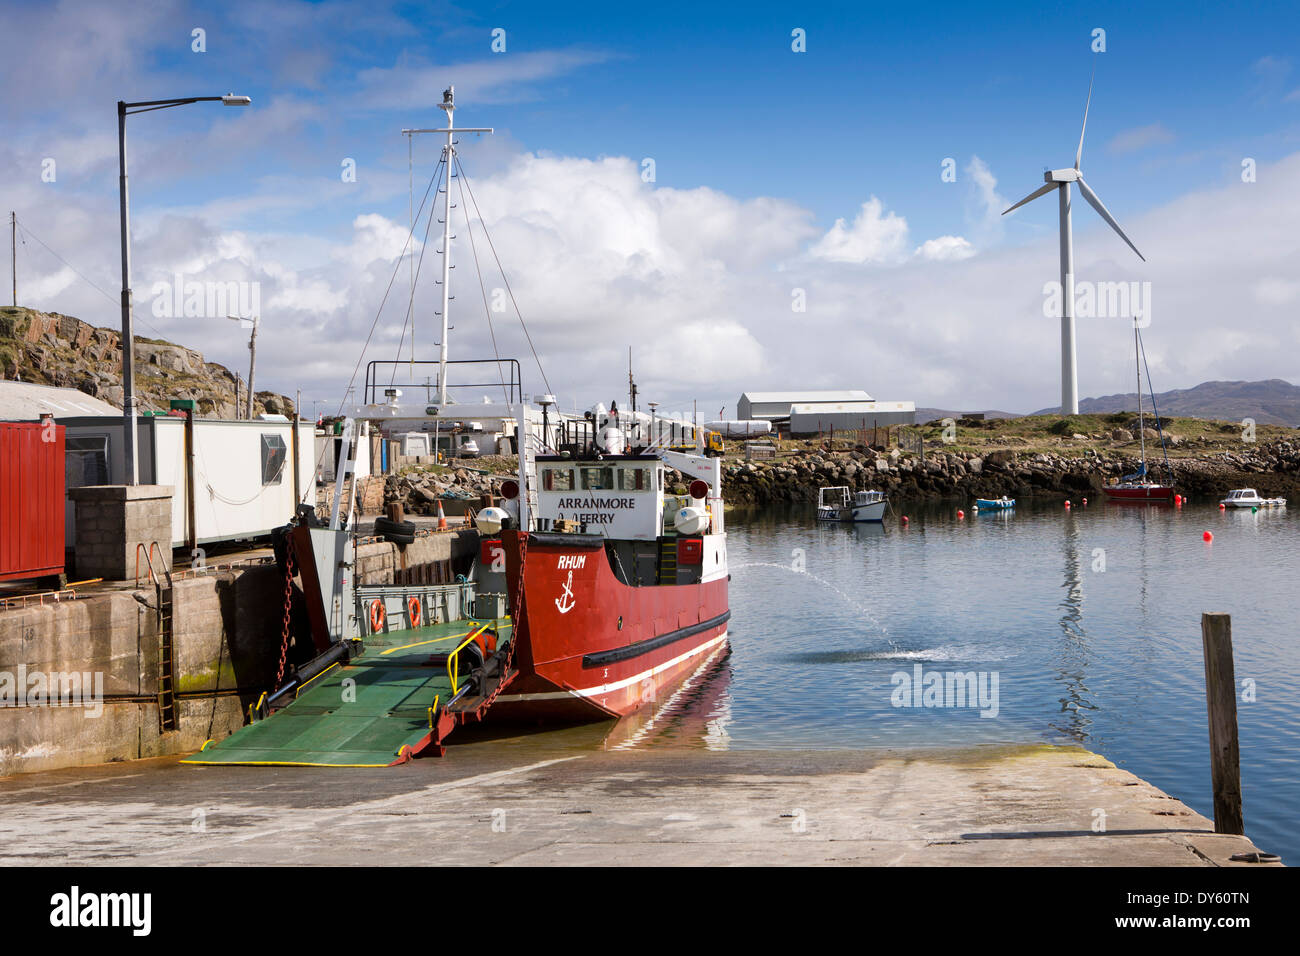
[31, 499]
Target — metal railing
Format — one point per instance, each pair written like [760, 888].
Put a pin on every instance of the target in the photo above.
[374, 387]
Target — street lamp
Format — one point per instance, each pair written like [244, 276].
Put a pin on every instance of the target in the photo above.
[128, 341]
[252, 354]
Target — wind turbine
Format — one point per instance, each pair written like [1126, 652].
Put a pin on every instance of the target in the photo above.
[1060, 179]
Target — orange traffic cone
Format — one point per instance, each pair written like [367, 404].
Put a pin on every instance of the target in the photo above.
[442, 518]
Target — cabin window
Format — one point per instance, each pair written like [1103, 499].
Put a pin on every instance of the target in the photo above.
[274, 455]
[633, 479]
[557, 479]
[85, 461]
[597, 479]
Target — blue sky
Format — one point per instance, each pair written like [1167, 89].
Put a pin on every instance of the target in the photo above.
[731, 116]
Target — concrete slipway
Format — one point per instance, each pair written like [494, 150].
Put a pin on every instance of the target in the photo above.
[571, 797]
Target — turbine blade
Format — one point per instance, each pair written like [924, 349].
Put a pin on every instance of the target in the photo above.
[1040, 191]
[1078, 156]
[1102, 211]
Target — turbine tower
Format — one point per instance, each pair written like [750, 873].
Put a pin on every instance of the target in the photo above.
[1060, 179]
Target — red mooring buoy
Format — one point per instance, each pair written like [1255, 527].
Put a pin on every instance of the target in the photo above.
[1208, 536]
[960, 514]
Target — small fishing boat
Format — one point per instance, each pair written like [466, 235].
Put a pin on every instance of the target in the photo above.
[838, 503]
[994, 504]
[1249, 498]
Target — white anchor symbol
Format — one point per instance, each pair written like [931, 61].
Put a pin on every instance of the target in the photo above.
[564, 603]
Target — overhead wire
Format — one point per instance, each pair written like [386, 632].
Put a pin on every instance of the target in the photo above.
[509, 291]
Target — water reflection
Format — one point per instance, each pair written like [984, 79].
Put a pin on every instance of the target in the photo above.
[695, 714]
[1075, 651]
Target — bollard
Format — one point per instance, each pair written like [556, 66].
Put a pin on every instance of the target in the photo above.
[1221, 704]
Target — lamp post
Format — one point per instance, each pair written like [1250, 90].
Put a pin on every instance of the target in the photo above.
[128, 341]
[252, 355]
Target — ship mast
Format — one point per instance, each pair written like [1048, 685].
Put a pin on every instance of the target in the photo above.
[448, 104]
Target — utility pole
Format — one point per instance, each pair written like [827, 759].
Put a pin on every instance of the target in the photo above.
[252, 364]
[13, 251]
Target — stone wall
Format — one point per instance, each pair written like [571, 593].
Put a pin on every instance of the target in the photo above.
[376, 562]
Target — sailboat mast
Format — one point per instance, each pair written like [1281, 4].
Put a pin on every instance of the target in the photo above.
[449, 153]
[1137, 364]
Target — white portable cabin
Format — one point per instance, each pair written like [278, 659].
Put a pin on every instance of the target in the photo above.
[245, 479]
[327, 448]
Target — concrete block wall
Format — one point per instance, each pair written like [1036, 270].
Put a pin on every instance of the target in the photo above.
[113, 636]
[112, 520]
[226, 640]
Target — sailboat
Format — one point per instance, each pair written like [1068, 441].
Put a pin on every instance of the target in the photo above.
[1139, 486]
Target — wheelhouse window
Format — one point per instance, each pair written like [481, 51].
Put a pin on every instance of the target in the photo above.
[597, 479]
[633, 479]
[557, 479]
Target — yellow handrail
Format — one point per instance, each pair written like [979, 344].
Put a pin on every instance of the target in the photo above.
[298, 689]
[433, 709]
[454, 657]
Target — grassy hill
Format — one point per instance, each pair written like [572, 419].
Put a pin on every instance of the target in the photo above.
[1273, 402]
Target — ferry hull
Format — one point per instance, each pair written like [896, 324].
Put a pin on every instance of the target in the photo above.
[591, 647]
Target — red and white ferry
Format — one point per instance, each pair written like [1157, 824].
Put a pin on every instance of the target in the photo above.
[616, 587]
[608, 618]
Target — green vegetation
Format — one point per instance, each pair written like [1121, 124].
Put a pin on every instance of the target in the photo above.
[1054, 434]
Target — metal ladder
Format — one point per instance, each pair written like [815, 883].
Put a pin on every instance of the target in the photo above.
[168, 719]
[668, 560]
[167, 716]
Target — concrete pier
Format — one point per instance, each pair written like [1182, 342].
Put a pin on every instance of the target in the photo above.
[561, 798]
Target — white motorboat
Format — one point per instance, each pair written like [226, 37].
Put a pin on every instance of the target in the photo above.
[1249, 498]
[839, 503]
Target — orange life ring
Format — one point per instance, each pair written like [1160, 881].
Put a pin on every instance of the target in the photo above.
[413, 610]
[377, 616]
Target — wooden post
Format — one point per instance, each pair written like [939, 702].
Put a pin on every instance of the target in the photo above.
[1221, 702]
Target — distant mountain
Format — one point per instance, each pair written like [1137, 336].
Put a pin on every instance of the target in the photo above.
[924, 415]
[1271, 402]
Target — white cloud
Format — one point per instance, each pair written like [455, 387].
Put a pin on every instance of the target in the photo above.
[985, 206]
[874, 236]
[945, 248]
[1276, 291]
[700, 284]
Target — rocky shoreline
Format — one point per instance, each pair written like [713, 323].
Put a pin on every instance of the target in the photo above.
[1273, 469]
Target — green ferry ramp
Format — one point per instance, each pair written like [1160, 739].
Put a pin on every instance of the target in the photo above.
[398, 698]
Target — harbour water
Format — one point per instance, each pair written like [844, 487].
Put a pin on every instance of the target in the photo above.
[1081, 626]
